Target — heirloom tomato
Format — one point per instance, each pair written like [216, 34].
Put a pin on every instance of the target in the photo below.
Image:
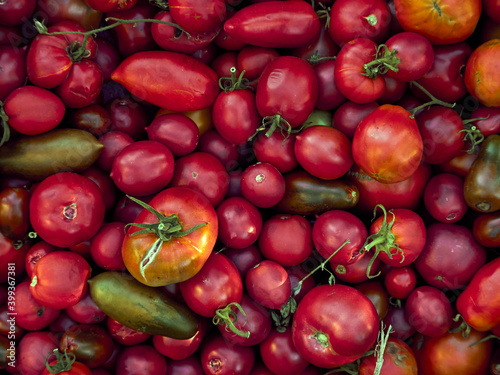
[399, 359]
[170, 240]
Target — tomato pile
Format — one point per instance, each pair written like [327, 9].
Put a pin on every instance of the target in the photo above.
[250, 187]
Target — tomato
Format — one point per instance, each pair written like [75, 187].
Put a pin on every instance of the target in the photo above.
[171, 251]
[356, 272]
[479, 304]
[275, 24]
[244, 258]
[108, 57]
[54, 11]
[277, 149]
[399, 359]
[201, 117]
[113, 142]
[329, 96]
[14, 75]
[32, 349]
[262, 185]
[334, 325]
[485, 229]
[93, 118]
[376, 293]
[359, 19]
[14, 214]
[387, 144]
[348, 115]
[110, 5]
[127, 116]
[59, 279]
[268, 284]
[124, 335]
[85, 311]
[253, 60]
[443, 198]
[400, 281]
[442, 21]
[396, 317]
[179, 349]
[35, 253]
[226, 152]
[143, 359]
[76, 368]
[16, 12]
[153, 76]
[460, 165]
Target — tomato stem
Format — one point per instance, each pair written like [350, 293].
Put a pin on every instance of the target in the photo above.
[464, 327]
[316, 58]
[380, 348]
[232, 83]
[274, 122]
[64, 361]
[384, 60]
[473, 134]
[226, 316]
[5, 125]
[433, 100]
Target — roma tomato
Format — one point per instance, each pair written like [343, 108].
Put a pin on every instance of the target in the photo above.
[182, 232]
[198, 16]
[154, 76]
[268, 284]
[442, 21]
[67, 209]
[387, 144]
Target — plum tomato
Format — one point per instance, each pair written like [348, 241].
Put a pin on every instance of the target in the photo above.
[268, 284]
[262, 184]
[443, 198]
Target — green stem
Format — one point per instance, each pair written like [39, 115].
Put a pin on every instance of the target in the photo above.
[473, 134]
[64, 361]
[226, 316]
[464, 327]
[433, 101]
[233, 83]
[380, 348]
[5, 125]
[384, 61]
[316, 58]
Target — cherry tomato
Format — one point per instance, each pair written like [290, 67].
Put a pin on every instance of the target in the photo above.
[400, 281]
[262, 185]
[176, 131]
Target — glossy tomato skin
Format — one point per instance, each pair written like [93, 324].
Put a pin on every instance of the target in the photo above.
[388, 159]
[124, 335]
[113, 141]
[198, 16]
[275, 24]
[59, 279]
[329, 96]
[277, 150]
[128, 116]
[14, 214]
[485, 230]
[73, 10]
[349, 70]
[400, 281]
[13, 62]
[334, 325]
[262, 184]
[348, 115]
[143, 359]
[195, 89]
[35, 253]
[253, 60]
[179, 258]
[105, 246]
[32, 349]
[66, 209]
[77, 368]
[268, 284]
[443, 198]
[442, 22]
[16, 12]
[179, 349]
[278, 84]
[110, 5]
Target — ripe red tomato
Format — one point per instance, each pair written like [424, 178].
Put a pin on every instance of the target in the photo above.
[169, 255]
[399, 359]
[268, 284]
[262, 184]
[198, 16]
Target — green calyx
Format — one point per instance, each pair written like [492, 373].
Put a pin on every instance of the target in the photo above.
[229, 84]
[473, 134]
[64, 361]
[272, 123]
[5, 125]
[384, 60]
[226, 316]
[383, 241]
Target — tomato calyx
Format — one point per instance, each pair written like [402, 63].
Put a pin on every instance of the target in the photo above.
[322, 338]
[383, 241]
[384, 60]
[64, 361]
[323, 13]
[463, 327]
[162, 4]
[315, 58]
[5, 125]
[226, 316]
[229, 84]
[275, 122]
[70, 211]
[166, 228]
[473, 134]
[379, 351]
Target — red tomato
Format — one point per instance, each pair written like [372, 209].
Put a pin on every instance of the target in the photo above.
[387, 144]
[198, 16]
[399, 359]
[143, 359]
[127, 116]
[442, 21]
[400, 281]
[348, 115]
[277, 149]
[169, 252]
[35, 253]
[329, 96]
[66, 209]
[268, 284]
[111, 5]
[93, 118]
[13, 62]
[253, 60]
[124, 335]
[85, 311]
[154, 76]
[485, 229]
[262, 184]
[16, 12]
[179, 349]
[14, 214]
[334, 325]
[444, 198]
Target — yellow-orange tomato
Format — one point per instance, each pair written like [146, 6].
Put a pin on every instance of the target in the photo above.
[440, 21]
[482, 73]
[201, 117]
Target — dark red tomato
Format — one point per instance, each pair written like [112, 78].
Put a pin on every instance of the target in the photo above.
[277, 149]
[253, 60]
[126, 210]
[113, 141]
[399, 359]
[268, 284]
[445, 78]
[450, 257]
[234, 189]
[140, 359]
[221, 357]
[393, 92]
[359, 19]
[349, 114]
[415, 54]
[93, 118]
[90, 343]
[331, 229]
[13, 73]
[459, 165]
[223, 63]
[387, 144]
[136, 37]
[127, 116]
[66, 209]
[143, 168]
[85, 311]
[198, 16]
[16, 12]
[453, 354]
[253, 319]
[32, 350]
[176, 131]
[276, 91]
[300, 273]
[262, 185]
[356, 272]
[33, 110]
[286, 239]
[62, 323]
[108, 58]
[195, 89]
[486, 229]
[244, 258]
[180, 349]
[171, 38]
[375, 291]
[489, 120]
[14, 214]
[492, 9]
[224, 40]
[106, 185]
[349, 72]
[429, 311]
[444, 198]
[227, 153]
[324, 152]
[216, 285]
[48, 60]
[329, 97]
[35, 253]
[279, 354]
[106, 246]
[397, 319]
[190, 365]
[6, 327]
[30, 314]
[59, 279]
[170, 256]
[204, 173]
[124, 335]
[74, 10]
[322, 46]
[400, 282]
[111, 5]
[440, 130]
[274, 24]
[334, 325]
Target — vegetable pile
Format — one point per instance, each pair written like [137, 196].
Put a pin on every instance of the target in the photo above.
[250, 187]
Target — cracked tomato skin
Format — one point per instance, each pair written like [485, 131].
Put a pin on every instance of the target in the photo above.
[334, 325]
[178, 259]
